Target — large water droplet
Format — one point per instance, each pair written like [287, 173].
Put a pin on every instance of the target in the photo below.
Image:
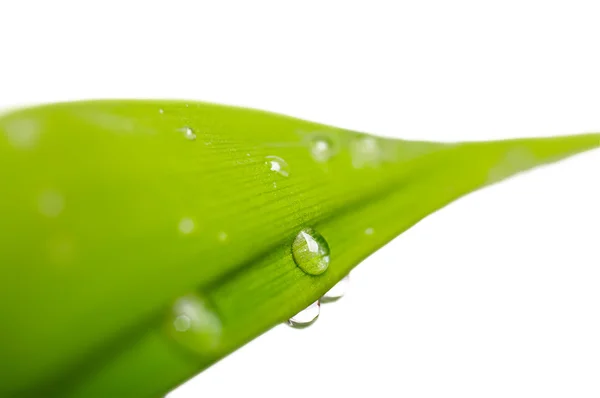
[188, 133]
[321, 149]
[311, 252]
[192, 324]
[337, 291]
[306, 317]
[278, 165]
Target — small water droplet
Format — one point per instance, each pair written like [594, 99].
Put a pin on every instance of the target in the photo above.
[247, 154]
[369, 231]
[186, 225]
[188, 133]
[278, 165]
[22, 133]
[306, 317]
[222, 236]
[51, 203]
[311, 252]
[321, 149]
[161, 111]
[337, 291]
[193, 324]
[366, 152]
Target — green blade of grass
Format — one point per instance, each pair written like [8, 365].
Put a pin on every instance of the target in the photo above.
[111, 210]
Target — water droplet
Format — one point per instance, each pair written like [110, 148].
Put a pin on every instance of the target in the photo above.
[51, 203]
[306, 317]
[366, 152]
[186, 225]
[337, 291]
[182, 323]
[161, 111]
[278, 165]
[321, 149]
[311, 252]
[193, 324]
[369, 231]
[188, 133]
[222, 236]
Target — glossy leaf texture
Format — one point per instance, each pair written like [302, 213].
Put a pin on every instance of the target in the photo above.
[141, 241]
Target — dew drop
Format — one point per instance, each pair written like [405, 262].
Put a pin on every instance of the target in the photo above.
[182, 323]
[306, 317]
[186, 226]
[222, 236]
[369, 231]
[311, 252]
[188, 133]
[193, 324]
[22, 133]
[161, 111]
[278, 165]
[51, 203]
[321, 149]
[337, 291]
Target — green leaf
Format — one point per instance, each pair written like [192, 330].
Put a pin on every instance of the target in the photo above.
[141, 241]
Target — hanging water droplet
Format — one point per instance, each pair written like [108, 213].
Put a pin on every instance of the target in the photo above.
[186, 225]
[369, 231]
[278, 165]
[188, 133]
[337, 291]
[161, 111]
[366, 152]
[321, 149]
[51, 203]
[306, 317]
[193, 324]
[311, 252]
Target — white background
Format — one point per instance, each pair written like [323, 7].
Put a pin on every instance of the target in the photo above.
[495, 296]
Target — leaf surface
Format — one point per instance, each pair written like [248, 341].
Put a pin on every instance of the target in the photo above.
[141, 241]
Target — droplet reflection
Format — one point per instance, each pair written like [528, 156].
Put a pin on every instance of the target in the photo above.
[311, 252]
